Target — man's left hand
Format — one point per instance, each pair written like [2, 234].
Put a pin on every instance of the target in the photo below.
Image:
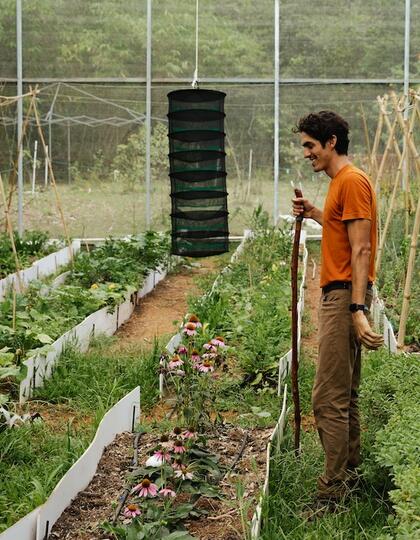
[364, 332]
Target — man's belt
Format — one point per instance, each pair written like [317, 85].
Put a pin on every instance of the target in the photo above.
[334, 285]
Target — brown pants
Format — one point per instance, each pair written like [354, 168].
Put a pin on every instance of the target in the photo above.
[335, 391]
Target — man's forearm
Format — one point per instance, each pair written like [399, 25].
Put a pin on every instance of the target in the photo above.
[317, 215]
[360, 261]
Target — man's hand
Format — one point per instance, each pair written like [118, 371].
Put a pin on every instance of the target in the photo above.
[364, 332]
[302, 207]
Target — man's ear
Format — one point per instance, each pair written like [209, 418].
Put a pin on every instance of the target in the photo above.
[332, 141]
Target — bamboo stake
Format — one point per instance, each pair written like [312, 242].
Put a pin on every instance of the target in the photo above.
[53, 182]
[12, 176]
[389, 213]
[385, 154]
[14, 310]
[10, 230]
[379, 127]
[409, 278]
[366, 132]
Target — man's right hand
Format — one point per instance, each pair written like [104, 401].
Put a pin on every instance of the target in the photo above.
[302, 207]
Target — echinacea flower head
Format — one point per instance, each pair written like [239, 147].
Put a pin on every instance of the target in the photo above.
[167, 492]
[206, 366]
[158, 458]
[146, 488]
[194, 319]
[164, 441]
[184, 473]
[131, 511]
[178, 447]
[175, 362]
[190, 329]
[177, 430]
[195, 356]
[177, 463]
[182, 350]
[189, 433]
[218, 341]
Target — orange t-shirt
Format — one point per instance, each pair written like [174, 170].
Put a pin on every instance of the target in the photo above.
[350, 196]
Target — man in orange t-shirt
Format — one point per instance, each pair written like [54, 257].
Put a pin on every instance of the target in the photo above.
[347, 273]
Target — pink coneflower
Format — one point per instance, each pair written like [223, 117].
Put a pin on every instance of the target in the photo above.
[167, 492]
[177, 463]
[146, 488]
[177, 430]
[183, 473]
[131, 511]
[209, 346]
[164, 441]
[194, 319]
[182, 350]
[209, 355]
[189, 433]
[175, 362]
[218, 341]
[190, 329]
[178, 447]
[162, 456]
[195, 356]
[206, 366]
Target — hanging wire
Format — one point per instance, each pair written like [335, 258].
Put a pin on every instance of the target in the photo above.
[195, 80]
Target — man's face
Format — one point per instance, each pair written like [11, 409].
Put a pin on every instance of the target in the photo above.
[313, 150]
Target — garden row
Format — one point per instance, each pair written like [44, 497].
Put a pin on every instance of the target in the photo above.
[246, 393]
[31, 321]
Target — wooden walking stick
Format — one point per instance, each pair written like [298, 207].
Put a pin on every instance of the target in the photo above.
[295, 322]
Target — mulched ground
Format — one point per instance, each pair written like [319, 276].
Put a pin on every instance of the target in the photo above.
[82, 519]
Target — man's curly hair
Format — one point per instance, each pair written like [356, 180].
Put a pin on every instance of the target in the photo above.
[322, 126]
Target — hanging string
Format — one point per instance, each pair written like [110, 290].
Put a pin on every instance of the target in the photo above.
[195, 80]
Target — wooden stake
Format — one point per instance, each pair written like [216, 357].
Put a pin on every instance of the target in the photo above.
[366, 132]
[389, 213]
[12, 176]
[10, 230]
[409, 278]
[14, 310]
[53, 182]
[373, 163]
[295, 322]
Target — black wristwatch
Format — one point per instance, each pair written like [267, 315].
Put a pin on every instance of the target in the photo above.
[358, 307]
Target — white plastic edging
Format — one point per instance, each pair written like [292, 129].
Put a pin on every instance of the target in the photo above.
[37, 525]
[176, 339]
[24, 529]
[122, 417]
[40, 366]
[39, 269]
[275, 440]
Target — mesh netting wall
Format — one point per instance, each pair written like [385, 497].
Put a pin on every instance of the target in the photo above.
[96, 131]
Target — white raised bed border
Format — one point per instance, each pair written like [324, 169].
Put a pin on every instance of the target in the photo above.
[39, 269]
[40, 366]
[38, 524]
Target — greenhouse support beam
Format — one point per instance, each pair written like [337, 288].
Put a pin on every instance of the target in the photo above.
[276, 107]
[148, 109]
[204, 80]
[19, 81]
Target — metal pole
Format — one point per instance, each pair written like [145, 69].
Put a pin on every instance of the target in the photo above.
[148, 109]
[68, 153]
[276, 106]
[19, 112]
[406, 84]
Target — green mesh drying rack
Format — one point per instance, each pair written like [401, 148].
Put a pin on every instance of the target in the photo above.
[198, 172]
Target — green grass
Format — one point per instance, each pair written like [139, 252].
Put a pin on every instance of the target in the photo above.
[293, 486]
[35, 456]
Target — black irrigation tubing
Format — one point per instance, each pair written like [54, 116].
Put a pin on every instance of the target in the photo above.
[238, 455]
[127, 490]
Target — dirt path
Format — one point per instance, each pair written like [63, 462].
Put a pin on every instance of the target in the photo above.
[161, 311]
